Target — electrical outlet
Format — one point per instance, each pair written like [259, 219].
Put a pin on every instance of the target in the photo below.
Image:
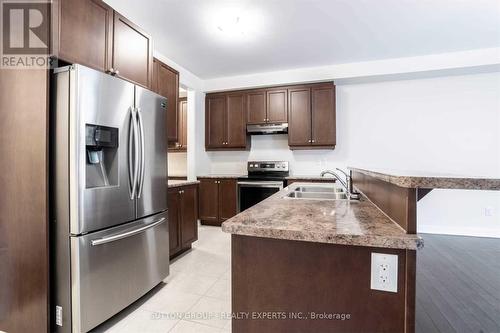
[384, 272]
[488, 211]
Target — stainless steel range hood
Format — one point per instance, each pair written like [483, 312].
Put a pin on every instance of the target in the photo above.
[279, 128]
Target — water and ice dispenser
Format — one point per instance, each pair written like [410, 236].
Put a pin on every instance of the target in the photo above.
[102, 161]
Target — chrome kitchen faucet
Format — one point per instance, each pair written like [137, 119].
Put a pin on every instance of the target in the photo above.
[347, 183]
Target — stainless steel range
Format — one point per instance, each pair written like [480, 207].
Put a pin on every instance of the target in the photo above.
[264, 179]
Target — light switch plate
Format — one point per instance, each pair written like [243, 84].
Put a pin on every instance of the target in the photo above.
[384, 272]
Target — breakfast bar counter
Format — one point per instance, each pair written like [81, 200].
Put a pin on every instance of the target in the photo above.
[345, 222]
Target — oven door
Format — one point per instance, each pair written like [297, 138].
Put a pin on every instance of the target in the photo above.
[252, 192]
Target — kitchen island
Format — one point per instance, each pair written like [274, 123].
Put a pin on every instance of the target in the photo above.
[305, 266]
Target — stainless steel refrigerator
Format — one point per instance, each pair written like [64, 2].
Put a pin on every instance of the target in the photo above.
[108, 194]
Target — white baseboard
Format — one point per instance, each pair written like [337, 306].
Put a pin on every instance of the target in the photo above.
[474, 232]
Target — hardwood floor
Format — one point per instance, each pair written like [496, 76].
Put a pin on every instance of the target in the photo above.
[458, 285]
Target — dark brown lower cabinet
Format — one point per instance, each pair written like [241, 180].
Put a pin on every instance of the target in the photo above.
[183, 217]
[313, 287]
[228, 195]
[218, 200]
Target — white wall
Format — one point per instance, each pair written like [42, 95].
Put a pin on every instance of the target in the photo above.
[177, 164]
[446, 124]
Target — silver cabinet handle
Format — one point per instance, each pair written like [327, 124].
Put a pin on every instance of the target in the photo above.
[313, 141]
[133, 151]
[116, 237]
[143, 160]
[110, 71]
[117, 72]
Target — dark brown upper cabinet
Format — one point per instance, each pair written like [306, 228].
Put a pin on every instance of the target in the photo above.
[183, 123]
[312, 117]
[277, 106]
[83, 33]
[309, 110]
[181, 144]
[267, 106]
[323, 132]
[256, 107]
[299, 126]
[225, 122]
[90, 33]
[165, 82]
[132, 52]
[215, 121]
[236, 121]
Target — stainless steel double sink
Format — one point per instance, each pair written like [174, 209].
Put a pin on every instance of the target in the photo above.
[317, 192]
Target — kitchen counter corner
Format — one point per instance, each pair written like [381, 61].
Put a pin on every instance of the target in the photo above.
[344, 222]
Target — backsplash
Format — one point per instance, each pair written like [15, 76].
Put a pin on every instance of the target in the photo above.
[177, 164]
[275, 148]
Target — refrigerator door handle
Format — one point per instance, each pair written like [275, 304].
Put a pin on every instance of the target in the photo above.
[130, 233]
[133, 150]
[143, 159]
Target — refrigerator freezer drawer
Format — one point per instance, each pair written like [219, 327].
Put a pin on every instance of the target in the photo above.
[112, 268]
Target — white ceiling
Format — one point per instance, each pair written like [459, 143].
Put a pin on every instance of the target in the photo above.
[287, 34]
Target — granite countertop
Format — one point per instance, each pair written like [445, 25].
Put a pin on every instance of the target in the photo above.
[429, 180]
[223, 175]
[341, 222]
[179, 183]
[309, 177]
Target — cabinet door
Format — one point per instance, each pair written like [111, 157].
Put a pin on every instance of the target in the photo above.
[168, 86]
[183, 125]
[132, 52]
[299, 122]
[85, 33]
[277, 105]
[209, 200]
[154, 76]
[236, 120]
[189, 224]
[323, 115]
[174, 216]
[228, 195]
[215, 121]
[256, 107]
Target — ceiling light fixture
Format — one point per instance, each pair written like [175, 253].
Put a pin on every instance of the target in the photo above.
[235, 23]
[233, 26]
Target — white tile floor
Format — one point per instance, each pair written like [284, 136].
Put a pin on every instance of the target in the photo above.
[196, 296]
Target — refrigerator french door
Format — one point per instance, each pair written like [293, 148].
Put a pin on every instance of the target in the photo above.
[109, 196]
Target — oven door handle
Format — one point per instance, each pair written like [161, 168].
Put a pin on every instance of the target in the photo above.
[260, 184]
